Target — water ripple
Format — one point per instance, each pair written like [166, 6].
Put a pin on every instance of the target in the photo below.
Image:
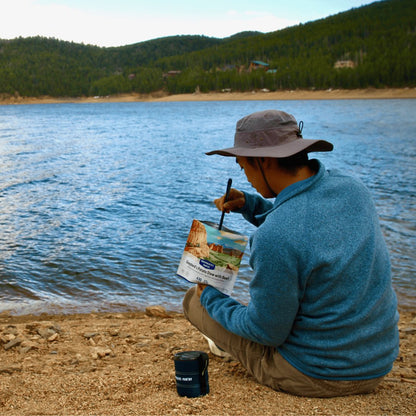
[97, 199]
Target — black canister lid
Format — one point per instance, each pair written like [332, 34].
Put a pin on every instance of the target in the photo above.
[188, 355]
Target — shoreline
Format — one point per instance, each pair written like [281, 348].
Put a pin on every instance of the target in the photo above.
[330, 94]
[9, 315]
[122, 364]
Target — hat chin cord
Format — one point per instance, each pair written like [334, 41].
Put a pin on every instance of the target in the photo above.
[265, 179]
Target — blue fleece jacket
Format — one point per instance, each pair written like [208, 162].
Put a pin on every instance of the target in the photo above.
[321, 291]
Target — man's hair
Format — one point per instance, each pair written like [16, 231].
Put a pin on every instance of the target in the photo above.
[293, 163]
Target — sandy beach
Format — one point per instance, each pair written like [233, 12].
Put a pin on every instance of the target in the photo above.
[387, 93]
[122, 364]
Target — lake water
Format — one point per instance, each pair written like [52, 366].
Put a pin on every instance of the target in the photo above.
[96, 200]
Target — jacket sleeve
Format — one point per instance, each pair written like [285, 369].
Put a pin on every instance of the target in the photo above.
[274, 295]
[255, 205]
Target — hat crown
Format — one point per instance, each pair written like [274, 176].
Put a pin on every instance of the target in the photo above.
[266, 120]
[266, 128]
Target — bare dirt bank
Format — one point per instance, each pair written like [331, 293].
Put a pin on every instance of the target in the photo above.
[387, 93]
[122, 364]
[296, 95]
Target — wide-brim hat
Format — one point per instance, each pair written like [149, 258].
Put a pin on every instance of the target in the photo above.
[271, 133]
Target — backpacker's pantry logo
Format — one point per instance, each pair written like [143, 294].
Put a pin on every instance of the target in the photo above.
[212, 256]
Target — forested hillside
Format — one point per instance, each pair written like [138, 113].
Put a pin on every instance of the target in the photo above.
[370, 46]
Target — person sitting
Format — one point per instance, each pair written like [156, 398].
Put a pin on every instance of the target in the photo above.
[322, 316]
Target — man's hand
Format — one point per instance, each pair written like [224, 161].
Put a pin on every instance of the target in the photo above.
[236, 200]
[200, 288]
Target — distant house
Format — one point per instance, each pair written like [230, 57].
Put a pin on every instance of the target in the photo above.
[170, 74]
[344, 64]
[254, 65]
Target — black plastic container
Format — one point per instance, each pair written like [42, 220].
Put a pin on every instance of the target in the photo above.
[191, 372]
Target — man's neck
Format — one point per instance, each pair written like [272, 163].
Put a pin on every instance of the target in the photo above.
[281, 178]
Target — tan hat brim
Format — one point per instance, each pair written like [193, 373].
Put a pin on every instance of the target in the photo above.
[281, 151]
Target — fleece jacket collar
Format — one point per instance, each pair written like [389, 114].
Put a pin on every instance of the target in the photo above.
[296, 188]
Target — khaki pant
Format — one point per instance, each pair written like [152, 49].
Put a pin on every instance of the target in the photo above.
[265, 363]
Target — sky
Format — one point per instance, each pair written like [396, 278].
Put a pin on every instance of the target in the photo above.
[124, 22]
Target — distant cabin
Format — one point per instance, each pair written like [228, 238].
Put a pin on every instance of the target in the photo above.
[171, 74]
[344, 64]
[254, 65]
